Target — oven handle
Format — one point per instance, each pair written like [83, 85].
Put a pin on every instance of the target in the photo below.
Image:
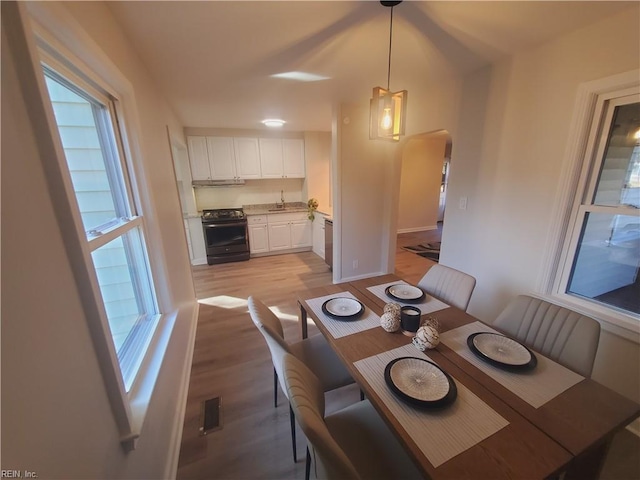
[227, 224]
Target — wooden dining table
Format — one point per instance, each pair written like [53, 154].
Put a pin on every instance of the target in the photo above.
[569, 433]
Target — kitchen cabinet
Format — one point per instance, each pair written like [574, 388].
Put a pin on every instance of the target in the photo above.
[288, 231]
[247, 157]
[317, 227]
[282, 158]
[224, 158]
[258, 234]
[195, 239]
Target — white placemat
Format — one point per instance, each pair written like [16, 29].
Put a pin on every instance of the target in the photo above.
[440, 434]
[338, 328]
[428, 305]
[536, 387]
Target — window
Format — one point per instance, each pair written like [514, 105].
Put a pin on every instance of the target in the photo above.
[114, 229]
[602, 251]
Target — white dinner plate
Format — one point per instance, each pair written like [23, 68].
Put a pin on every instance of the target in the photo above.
[404, 292]
[420, 382]
[342, 308]
[502, 349]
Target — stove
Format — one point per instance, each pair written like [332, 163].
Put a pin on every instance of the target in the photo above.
[226, 236]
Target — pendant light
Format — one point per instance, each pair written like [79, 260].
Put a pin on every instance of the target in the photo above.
[388, 109]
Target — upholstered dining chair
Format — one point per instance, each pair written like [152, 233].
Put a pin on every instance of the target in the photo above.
[566, 337]
[352, 443]
[314, 351]
[449, 285]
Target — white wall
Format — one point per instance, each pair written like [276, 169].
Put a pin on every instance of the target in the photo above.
[507, 159]
[56, 417]
[252, 192]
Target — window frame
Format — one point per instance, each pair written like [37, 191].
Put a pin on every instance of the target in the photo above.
[91, 68]
[580, 173]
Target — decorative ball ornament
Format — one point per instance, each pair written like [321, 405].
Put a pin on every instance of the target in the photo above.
[393, 308]
[432, 322]
[390, 322]
[427, 337]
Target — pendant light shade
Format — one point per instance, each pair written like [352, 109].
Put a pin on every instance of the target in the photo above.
[388, 109]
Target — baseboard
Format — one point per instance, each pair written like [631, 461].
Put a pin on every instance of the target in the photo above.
[417, 229]
[359, 277]
[199, 261]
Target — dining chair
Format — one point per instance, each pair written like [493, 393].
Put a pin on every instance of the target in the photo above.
[352, 443]
[566, 337]
[449, 285]
[314, 351]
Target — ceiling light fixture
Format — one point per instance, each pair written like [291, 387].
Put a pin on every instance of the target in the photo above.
[300, 76]
[273, 122]
[388, 109]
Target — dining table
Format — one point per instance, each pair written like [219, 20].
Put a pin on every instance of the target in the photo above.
[538, 423]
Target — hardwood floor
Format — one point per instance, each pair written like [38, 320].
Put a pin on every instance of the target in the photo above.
[232, 361]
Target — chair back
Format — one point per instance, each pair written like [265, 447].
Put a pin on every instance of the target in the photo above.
[307, 400]
[565, 336]
[449, 285]
[271, 329]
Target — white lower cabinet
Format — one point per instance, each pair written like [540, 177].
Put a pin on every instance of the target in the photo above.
[279, 233]
[195, 238]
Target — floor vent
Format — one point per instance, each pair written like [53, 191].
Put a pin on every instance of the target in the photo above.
[211, 416]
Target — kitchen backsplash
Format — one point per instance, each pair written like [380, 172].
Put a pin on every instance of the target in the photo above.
[252, 192]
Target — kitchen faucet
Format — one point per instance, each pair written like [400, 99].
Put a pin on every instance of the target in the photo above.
[282, 197]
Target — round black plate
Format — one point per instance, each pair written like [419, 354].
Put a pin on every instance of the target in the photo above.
[344, 318]
[530, 365]
[447, 400]
[404, 300]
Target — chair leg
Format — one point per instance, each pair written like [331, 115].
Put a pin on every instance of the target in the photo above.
[307, 466]
[292, 419]
[361, 395]
[275, 388]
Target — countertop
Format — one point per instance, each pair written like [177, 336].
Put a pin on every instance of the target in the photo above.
[270, 208]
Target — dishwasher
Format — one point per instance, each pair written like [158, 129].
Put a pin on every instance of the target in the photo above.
[328, 242]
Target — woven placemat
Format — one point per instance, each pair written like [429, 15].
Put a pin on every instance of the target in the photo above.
[339, 328]
[428, 305]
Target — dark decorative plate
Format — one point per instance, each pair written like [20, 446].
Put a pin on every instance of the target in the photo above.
[501, 351]
[405, 293]
[420, 382]
[343, 308]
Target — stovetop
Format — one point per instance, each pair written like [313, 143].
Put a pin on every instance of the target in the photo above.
[223, 214]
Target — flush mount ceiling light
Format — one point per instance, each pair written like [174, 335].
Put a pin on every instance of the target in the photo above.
[300, 76]
[388, 109]
[273, 122]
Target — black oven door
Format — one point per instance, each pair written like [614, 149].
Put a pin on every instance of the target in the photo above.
[226, 238]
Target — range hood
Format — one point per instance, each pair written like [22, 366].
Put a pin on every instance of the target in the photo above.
[217, 183]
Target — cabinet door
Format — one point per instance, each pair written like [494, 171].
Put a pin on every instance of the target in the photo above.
[247, 157]
[293, 158]
[301, 233]
[279, 236]
[271, 157]
[221, 158]
[317, 228]
[197, 242]
[258, 238]
[199, 158]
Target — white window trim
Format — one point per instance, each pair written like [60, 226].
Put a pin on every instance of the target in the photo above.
[580, 141]
[72, 44]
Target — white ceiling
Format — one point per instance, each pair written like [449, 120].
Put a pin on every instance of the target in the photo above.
[213, 60]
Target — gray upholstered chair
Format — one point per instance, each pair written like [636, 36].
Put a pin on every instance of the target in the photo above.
[449, 285]
[352, 443]
[314, 351]
[565, 336]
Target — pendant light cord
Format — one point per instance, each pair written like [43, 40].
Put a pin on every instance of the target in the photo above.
[390, 37]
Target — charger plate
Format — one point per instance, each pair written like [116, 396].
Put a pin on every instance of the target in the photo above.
[343, 308]
[405, 293]
[420, 382]
[501, 351]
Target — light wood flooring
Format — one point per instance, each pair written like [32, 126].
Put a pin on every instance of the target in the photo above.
[232, 361]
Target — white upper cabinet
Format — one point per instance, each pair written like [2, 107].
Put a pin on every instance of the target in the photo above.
[282, 157]
[199, 158]
[222, 161]
[293, 157]
[271, 157]
[235, 158]
[247, 157]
